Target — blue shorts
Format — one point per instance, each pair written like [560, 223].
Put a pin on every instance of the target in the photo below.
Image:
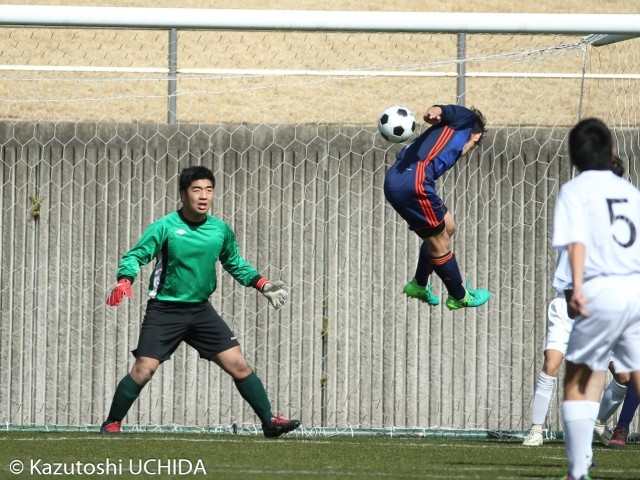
[418, 204]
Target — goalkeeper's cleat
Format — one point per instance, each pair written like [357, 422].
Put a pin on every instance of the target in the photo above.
[278, 426]
[534, 438]
[583, 477]
[111, 428]
[602, 433]
[472, 298]
[424, 294]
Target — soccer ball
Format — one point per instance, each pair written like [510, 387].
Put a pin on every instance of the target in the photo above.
[396, 124]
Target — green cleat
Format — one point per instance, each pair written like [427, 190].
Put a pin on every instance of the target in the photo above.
[472, 298]
[424, 294]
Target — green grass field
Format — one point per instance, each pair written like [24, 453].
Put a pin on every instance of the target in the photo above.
[228, 456]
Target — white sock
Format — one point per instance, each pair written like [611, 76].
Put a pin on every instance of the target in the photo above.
[542, 398]
[579, 418]
[611, 400]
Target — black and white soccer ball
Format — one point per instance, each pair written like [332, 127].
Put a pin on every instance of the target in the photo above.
[396, 124]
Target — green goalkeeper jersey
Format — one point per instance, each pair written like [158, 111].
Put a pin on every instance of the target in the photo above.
[185, 258]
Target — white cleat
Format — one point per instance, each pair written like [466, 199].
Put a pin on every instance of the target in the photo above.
[534, 438]
[602, 433]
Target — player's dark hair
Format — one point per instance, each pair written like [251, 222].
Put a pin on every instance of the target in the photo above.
[190, 174]
[590, 145]
[617, 166]
[481, 124]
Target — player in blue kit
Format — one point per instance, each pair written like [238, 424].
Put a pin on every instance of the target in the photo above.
[620, 434]
[410, 188]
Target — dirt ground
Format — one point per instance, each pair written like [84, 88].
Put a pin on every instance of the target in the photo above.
[120, 75]
[503, 6]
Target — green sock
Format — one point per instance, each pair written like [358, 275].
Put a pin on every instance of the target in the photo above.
[252, 390]
[126, 393]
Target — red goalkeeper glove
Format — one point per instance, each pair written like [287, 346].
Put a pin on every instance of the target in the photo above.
[123, 289]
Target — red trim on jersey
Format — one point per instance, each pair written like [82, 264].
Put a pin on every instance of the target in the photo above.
[423, 200]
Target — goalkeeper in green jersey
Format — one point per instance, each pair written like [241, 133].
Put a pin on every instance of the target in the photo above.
[186, 245]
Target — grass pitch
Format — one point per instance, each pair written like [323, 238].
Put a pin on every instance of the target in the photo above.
[228, 456]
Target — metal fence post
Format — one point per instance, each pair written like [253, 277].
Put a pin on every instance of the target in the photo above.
[462, 70]
[173, 72]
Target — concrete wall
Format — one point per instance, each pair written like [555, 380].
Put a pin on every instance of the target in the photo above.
[307, 206]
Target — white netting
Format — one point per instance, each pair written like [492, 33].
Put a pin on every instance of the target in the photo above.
[287, 122]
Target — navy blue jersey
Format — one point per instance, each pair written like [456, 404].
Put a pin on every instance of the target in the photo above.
[409, 184]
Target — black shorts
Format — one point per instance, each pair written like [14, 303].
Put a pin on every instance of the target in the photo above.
[165, 325]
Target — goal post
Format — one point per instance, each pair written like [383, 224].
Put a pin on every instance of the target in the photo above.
[283, 108]
[320, 20]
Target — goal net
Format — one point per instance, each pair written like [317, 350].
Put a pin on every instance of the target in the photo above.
[91, 149]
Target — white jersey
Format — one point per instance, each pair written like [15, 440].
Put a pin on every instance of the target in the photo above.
[562, 279]
[602, 211]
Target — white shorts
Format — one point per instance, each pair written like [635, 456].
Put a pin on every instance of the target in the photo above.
[613, 325]
[559, 325]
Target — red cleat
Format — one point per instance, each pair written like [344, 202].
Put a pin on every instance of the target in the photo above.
[111, 428]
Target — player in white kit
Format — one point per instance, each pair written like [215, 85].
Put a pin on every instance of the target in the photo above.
[596, 219]
[559, 327]
[558, 330]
